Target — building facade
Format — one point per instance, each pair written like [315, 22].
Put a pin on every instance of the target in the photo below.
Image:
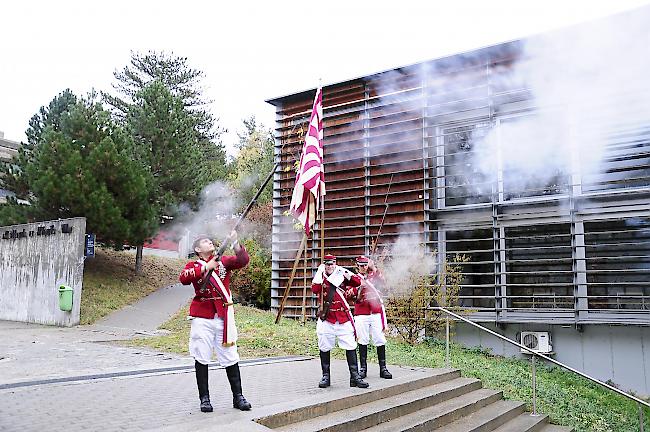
[8, 151]
[530, 158]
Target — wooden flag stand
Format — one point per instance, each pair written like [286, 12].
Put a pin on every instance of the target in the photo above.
[302, 246]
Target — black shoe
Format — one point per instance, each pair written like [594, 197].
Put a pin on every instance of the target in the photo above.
[358, 382]
[383, 373]
[324, 381]
[381, 355]
[355, 379]
[240, 402]
[363, 359]
[205, 404]
[238, 399]
[325, 366]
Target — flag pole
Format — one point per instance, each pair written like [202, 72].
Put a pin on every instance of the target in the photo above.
[322, 209]
[304, 287]
[322, 243]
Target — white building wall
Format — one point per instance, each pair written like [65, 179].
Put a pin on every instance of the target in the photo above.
[35, 259]
[616, 353]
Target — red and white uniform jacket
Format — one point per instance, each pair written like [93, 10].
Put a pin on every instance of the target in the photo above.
[208, 302]
[340, 310]
[369, 301]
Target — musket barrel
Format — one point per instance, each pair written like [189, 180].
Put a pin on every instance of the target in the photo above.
[226, 243]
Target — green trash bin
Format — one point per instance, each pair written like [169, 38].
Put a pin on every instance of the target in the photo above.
[65, 298]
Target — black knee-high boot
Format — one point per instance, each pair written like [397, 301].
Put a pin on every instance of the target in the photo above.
[355, 379]
[363, 360]
[325, 366]
[381, 355]
[238, 399]
[201, 371]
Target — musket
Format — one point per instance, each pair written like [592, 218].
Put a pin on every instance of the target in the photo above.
[374, 245]
[383, 218]
[226, 242]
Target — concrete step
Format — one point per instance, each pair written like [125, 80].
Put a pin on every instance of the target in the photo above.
[308, 412]
[487, 418]
[441, 414]
[373, 413]
[525, 423]
[554, 428]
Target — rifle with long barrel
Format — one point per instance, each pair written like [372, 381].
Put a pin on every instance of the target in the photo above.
[226, 242]
[383, 218]
[373, 247]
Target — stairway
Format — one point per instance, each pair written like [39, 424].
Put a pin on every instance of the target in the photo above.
[444, 401]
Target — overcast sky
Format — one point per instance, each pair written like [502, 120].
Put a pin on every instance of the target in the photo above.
[251, 51]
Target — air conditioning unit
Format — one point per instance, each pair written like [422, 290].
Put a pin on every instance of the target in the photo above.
[538, 341]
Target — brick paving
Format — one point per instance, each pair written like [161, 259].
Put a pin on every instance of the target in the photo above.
[169, 400]
[103, 386]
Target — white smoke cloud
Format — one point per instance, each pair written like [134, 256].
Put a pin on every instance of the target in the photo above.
[587, 83]
[409, 261]
[584, 84]
[215, 216]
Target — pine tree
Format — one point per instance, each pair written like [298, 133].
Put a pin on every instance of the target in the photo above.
[160, 102]
[12, 175]
[82, 165]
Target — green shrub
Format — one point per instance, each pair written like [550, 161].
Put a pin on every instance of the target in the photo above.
[252, 285]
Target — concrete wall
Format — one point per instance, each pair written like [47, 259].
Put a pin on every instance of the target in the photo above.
[606, 352]
[34, 260]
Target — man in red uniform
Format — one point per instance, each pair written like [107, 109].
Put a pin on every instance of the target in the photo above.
[213, 319]
[370, 316]
[335, 320]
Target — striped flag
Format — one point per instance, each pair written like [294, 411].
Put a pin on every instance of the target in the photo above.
[310, 178]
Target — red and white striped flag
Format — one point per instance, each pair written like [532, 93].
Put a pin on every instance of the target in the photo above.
[310, 178]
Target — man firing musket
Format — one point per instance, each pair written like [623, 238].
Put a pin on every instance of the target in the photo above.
[335, 319]
[213, 317]
[370, 316]
[212, 309]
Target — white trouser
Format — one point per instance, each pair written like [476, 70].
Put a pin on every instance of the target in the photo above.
[328, 332]
[206, 335]
[369, 326]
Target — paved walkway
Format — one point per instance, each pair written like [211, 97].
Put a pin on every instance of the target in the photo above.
[75, 379]
[146, 315]
[168, 400]
[32, 352]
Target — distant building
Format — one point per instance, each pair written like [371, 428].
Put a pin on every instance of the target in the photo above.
[172, 244]
[522, 157]
[8, 151]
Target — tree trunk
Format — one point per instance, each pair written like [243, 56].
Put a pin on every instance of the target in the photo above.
[138, 260]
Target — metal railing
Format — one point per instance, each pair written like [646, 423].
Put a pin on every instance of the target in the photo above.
[641, 403]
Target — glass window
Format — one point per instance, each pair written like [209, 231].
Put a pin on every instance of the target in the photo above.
[539, 270]
[466, 180]
[477, 288]
[618, 264]
[532, 166]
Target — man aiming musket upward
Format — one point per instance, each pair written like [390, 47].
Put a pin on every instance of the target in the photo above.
[212, 315]
[212, 309]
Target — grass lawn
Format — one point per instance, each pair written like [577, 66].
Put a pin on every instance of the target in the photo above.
[110, 282]
[568, 399]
